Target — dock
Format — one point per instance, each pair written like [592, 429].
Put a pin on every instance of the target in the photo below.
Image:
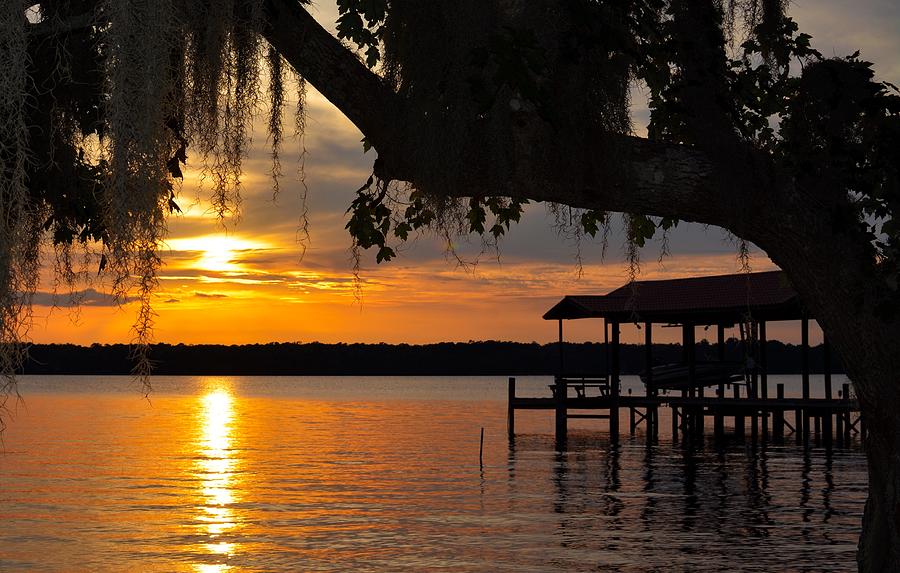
[692, 390]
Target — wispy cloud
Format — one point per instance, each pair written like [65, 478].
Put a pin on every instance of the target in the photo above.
[87, 297]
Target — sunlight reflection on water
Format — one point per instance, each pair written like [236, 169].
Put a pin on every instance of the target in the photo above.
[217, 471]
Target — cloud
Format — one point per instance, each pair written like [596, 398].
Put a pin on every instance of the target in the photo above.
[86, 297]
[210, 294]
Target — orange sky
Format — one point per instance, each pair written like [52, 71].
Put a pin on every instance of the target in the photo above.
[246, 283]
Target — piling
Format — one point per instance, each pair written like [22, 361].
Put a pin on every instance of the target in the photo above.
[614, 387]
[511, 408]
[839, 427]
[674, 423]
[847, 425]
[561, 412]
[481, 450]
[738, 418]
[778, 416]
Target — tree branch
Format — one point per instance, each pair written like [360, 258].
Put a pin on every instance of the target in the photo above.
[333, 69]
[660, 179]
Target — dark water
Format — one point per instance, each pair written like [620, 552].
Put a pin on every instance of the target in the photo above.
[382, 474]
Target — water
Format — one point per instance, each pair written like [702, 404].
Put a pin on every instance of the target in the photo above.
[382, 474]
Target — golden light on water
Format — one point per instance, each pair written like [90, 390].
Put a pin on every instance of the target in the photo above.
[217, 473]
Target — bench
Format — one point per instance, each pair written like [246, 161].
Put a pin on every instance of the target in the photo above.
[581, 386]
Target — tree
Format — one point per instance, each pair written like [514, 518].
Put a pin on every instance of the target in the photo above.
[477, 108]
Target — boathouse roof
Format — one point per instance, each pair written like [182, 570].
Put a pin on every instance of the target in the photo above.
[700, 300]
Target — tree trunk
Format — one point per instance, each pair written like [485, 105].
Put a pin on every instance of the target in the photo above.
[879, 544]
[829, 269]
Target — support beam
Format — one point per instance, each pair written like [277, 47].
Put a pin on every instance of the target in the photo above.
[804, 371]
[614, 387]
[839, 427]
[606, 364]
[804, 356]
[827, 420]
[511, 409]
[718, 418]
[738, 418]
[652, 414]
[689, 352]
[561, 352]
[763, 361]
[754, 379]
[764, 376]
[562, 422]
[778, 416]
[674, 423]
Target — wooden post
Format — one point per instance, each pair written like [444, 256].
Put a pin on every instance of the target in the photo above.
[754, 426]
[798, 426]
[804, 370]
[839, 426]
[827, 429]
[778, 416]
[738, 418]
[606, 348]
[718, 418]
[614, 387]
[562, 415]
[652, 414]
[511, 408]
[718, 424]
[481, 450]
[847, 426]
[763, 361]
[631, 424]
[561, 358]
[754, 378]
[674, 423]
[689, 353]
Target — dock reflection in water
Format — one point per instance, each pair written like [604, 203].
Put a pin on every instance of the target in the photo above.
[250, 475]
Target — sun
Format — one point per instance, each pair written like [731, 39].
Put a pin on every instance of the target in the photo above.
[216, 253]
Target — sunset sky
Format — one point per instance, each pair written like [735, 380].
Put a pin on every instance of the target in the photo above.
[246, 283]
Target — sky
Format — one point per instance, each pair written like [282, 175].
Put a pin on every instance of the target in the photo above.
[246, 281]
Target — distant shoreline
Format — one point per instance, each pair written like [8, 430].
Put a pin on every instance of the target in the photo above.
[438, 359]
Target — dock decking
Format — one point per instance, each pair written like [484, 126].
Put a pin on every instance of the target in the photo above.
[828, 419]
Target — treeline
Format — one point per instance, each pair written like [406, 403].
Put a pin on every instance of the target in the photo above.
[445, 358]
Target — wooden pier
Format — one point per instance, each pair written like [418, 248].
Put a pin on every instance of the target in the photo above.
[748, 300]
[834, 421]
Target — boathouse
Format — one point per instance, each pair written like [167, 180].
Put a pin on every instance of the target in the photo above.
[693, 389]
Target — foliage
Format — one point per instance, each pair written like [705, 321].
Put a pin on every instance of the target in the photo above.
[97, 123]
[98, 119]
[831, 121]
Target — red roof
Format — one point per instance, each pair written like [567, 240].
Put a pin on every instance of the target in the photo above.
[724, 298]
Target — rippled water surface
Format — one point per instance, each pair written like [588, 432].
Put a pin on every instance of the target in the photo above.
[382, 474]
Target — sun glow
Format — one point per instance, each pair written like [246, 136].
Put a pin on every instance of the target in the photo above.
[216, 470]
[217, 253]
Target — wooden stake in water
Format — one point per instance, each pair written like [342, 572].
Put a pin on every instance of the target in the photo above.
[481, 450]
